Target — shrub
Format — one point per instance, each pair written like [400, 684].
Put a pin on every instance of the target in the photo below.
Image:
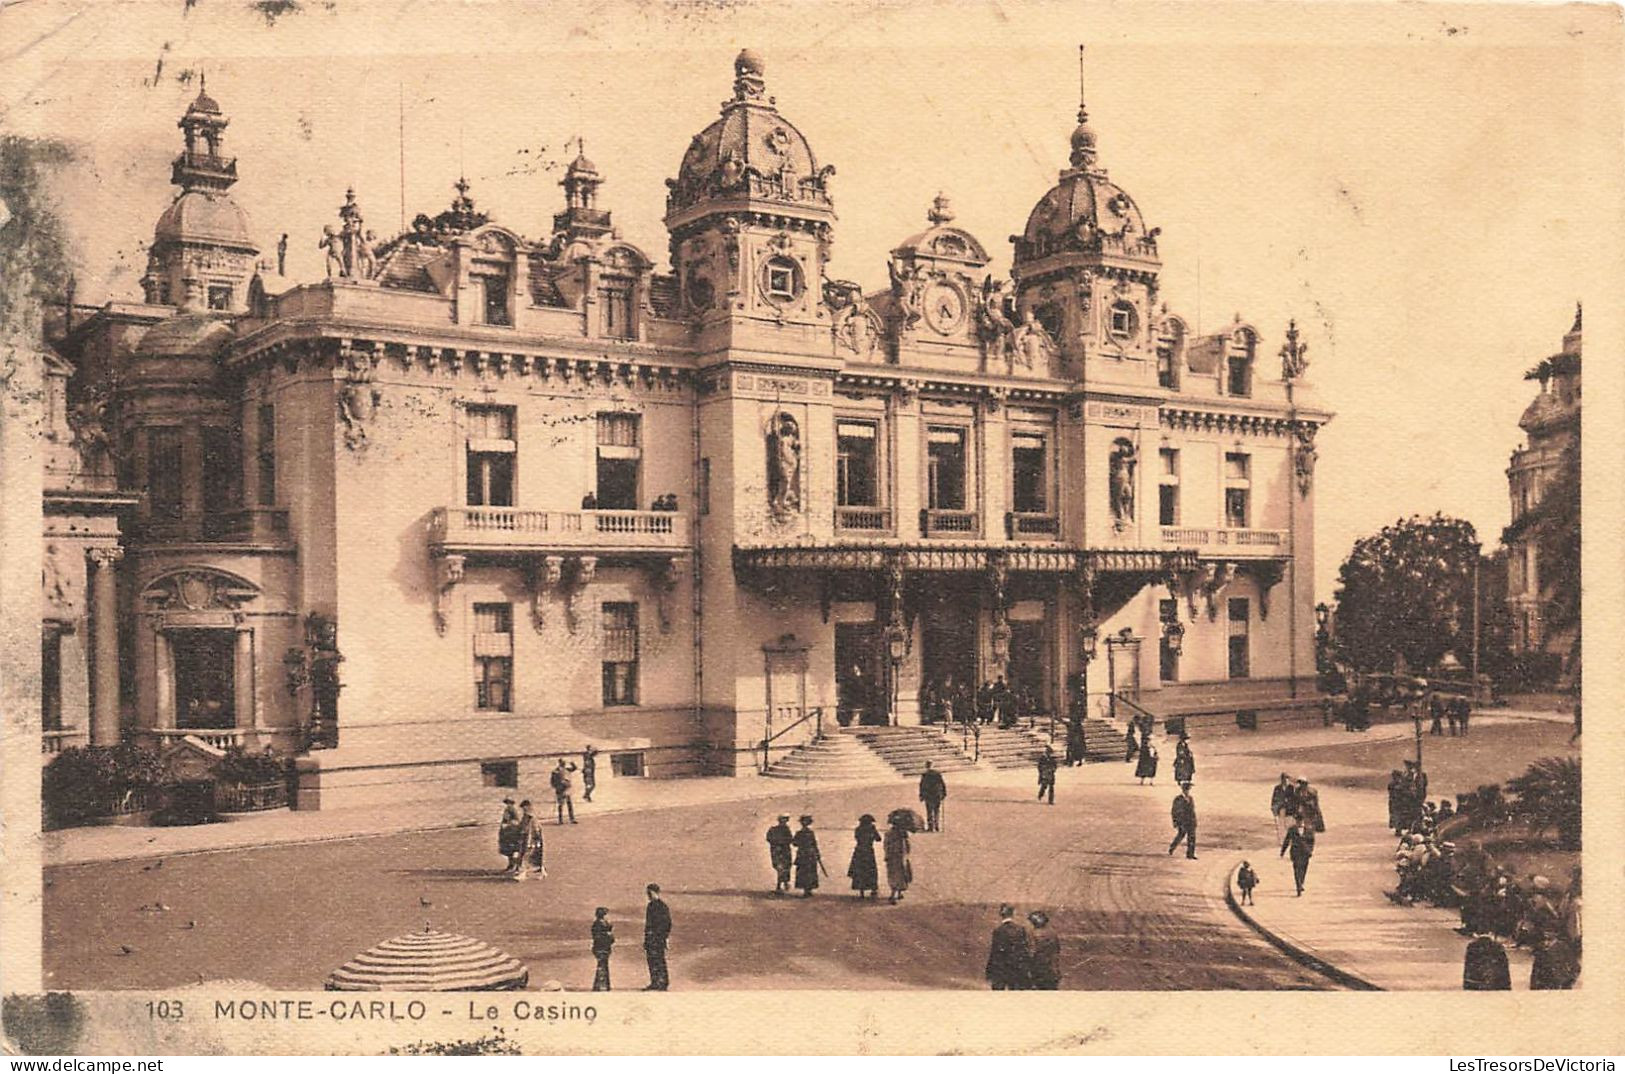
[243, 768]
[1548, 794]
[88, 781]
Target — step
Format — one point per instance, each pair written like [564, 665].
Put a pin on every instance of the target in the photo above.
[833, 757]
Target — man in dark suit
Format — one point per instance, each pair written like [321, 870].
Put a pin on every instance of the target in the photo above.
[589, 772]
[1007, 958]
[656, 933]
[1301, 841]
[933, 790]
[1046, 774]
[1184, 817]
[1485, 968]
[1282, 799]
[779, 838]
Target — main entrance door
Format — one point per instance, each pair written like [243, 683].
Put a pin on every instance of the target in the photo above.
[948, 663]
[205, 680]
[859, 682]
[1029, 663]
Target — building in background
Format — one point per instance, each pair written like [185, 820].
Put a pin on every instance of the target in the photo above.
[1552, 425]
[476, 500]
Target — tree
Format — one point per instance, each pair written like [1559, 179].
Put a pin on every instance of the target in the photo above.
[1549, 795]
[1405, 594]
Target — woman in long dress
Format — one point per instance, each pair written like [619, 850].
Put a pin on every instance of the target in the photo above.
[898, 870]
[1147, 767]
[863, 871]
[1184, 762]
[806, 844]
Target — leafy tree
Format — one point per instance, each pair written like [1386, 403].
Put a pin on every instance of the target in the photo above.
[1405, 594]
[1548, 793]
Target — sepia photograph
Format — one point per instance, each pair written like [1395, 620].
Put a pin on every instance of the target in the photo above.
[546, 501]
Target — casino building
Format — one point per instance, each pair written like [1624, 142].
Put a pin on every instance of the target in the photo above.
[477, 500]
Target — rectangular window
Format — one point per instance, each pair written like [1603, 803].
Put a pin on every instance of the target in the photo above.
[1029, 473]
[857, 464]
[1240, 664]
[1241, 375]
[619, 638]
[1167, 369]
[626, 764]
[1237, 482]
[620, 459]
[164, 471]
[492, 450]
[499, 773]
[221, 466]
[1168, 487]
[220, 296]
[1168, 612]
[705, 487]
[50, 694]
[496, 300]
[266, 452]
[493, 657]
[616, 303]
[781, 281]
[945, 468]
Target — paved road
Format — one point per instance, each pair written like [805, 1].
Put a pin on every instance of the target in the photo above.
[1130, 917]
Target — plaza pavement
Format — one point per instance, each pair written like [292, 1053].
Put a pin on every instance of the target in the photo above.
[1087, 858]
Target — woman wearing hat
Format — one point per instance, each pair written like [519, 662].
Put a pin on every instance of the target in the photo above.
[1147, 768]
[808, 860]
[863, 871]
[1044, 967]
[508, 835]
[899, 873]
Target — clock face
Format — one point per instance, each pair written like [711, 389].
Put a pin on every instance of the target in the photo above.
[944, 308]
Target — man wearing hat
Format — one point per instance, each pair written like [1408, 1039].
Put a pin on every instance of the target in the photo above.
[779, 839]
[808, 859]
[1282, 800]
[1300, 839]
[1184, 817]
[933, 791]
[603, 940]
[1046, 774]
[1011, 950]
[656, 935]
[1045, 972]
[589, 771]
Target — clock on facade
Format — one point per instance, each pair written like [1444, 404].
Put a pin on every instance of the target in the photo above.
[944, 308]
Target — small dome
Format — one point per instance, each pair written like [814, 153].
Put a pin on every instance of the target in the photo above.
[1083, 144]
[205, 104]
[205, 216]
[186, 336]
[941, 240]
[748, 62]
[582, 166]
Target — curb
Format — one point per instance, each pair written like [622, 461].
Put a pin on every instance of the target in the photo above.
[1298, 954]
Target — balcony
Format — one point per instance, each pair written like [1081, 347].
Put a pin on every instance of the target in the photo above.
[221, 738]
[513, 529]
[863, 520]
[1234, 543]
[1032, 526]
[963, 525]
[54, 742]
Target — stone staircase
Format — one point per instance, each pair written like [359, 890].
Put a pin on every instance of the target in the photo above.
[906, 749]
[1102, 739]
[831, 758]
[1015, 748]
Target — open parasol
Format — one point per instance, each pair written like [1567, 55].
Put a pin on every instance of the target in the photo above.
[429, 961]
[907, 819]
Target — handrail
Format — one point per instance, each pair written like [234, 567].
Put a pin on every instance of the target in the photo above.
[1118, 695]
[814, 713]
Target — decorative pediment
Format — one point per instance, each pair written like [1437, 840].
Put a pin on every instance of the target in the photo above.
[196, 589]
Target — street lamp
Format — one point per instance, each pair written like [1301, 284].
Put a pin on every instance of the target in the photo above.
[1089, 637]
[896, 649]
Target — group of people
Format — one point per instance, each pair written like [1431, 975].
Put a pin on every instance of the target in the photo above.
[519, 832]
[1498, 909]
[945, 700]
[1407, 798]
[1020, 959]
[1454, 709]
[1295, 808]
[656, 939]
[798, 862]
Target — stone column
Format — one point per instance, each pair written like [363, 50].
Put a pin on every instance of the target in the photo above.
[244, 699]
[104, 717]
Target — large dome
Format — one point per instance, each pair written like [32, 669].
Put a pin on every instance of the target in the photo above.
[1077, 213]
[750, 151]
[205, 216]
[190, 335]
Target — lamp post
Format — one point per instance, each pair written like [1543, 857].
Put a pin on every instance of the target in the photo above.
[896, 648]
[1089, 637]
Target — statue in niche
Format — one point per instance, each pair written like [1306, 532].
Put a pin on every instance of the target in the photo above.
[784, 465]
[1030, 345]
[1305, 458]
[358, 400]
[1123, 464]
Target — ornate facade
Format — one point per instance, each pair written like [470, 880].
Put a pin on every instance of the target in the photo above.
[477, 499]
[1552, 424]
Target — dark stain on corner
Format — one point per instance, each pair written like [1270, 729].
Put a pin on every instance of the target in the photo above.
[34, 259]
[48, 1024]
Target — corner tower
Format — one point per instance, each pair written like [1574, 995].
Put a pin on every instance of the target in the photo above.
[750, 219]
[201, 249]
[1086, 266]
